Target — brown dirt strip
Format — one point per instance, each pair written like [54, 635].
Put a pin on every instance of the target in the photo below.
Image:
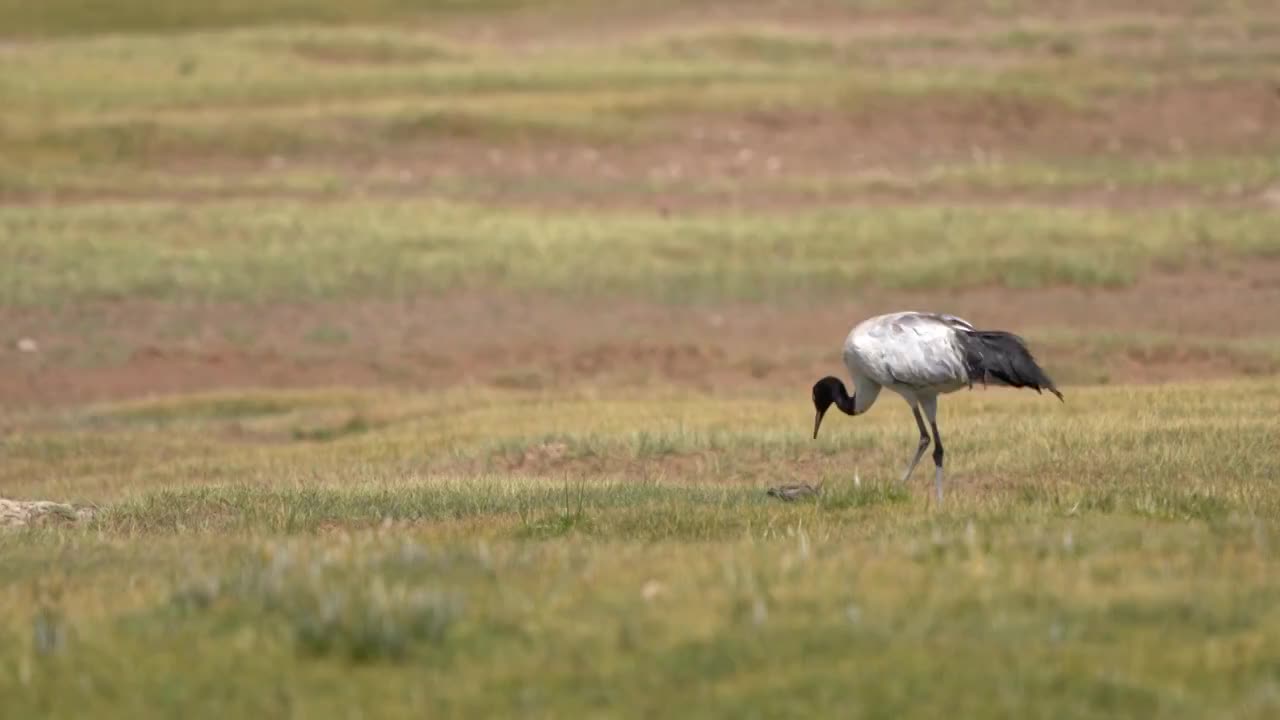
[885, 148]
[120, 350]
[525, 193]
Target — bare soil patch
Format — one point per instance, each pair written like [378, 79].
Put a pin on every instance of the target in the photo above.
[142, 348]
[896, 140]
[860, 150]
[873, 187]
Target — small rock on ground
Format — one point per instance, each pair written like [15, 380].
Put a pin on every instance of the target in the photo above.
[790, 493]
[24, 513]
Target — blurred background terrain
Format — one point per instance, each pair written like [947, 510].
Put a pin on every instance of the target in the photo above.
[229, 194]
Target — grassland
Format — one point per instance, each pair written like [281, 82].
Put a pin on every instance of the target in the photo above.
[433, 358]
[519, 553]
[289, 251]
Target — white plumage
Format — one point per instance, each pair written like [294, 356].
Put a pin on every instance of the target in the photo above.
[921, 356]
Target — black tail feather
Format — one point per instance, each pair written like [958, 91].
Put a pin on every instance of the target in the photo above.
[1004, 357]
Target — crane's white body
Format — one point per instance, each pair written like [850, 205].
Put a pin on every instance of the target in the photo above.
[916, 355]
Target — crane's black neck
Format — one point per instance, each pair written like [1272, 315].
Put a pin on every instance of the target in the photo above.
[843, 399]
[831, 391]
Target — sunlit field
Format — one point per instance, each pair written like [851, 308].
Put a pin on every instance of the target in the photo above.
[434, 359]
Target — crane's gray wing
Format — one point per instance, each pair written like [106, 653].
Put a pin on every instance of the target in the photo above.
[922, 350]
[950, 320]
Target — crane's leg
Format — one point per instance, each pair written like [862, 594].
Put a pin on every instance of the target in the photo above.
[924, 442]
[930, 405]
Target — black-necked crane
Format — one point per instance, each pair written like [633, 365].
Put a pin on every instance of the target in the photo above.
[921, 356]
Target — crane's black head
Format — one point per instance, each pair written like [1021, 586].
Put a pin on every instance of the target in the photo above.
[827, 391]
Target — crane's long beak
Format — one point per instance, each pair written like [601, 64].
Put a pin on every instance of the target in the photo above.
[817, 420]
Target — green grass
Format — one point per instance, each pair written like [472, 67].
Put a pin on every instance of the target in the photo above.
[74, 17]
[904, 627]
[291, 251]
[1113, 559]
